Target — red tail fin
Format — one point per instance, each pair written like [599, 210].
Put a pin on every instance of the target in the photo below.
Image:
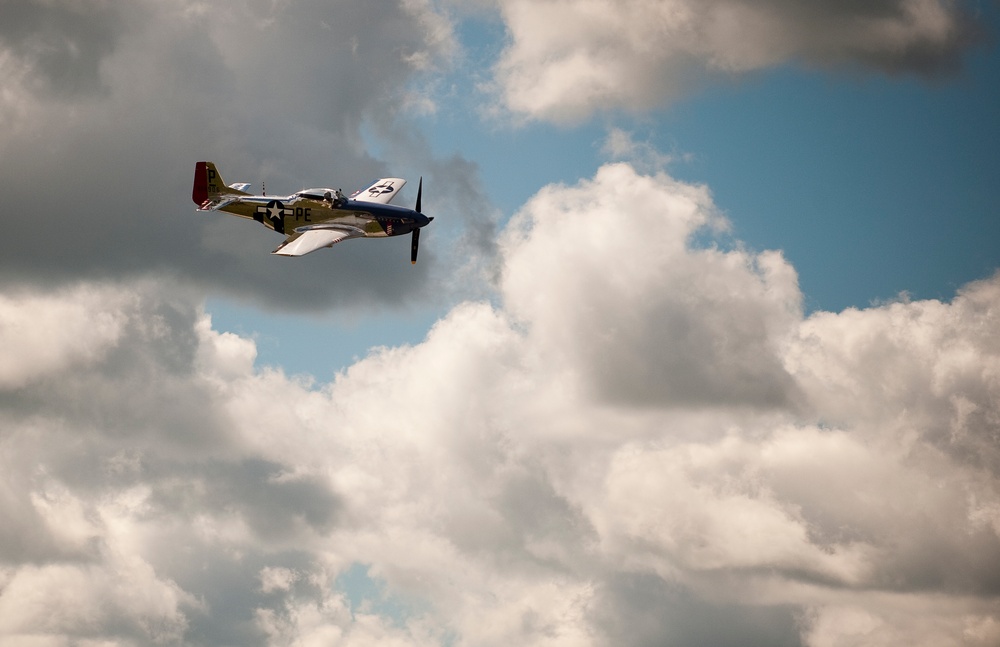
[200, 192]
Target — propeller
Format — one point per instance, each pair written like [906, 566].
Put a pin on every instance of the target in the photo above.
[415, 240]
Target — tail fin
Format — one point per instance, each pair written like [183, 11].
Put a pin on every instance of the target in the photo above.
[209, 185]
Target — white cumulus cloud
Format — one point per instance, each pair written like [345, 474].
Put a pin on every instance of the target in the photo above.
[642, 440]
[43, 335]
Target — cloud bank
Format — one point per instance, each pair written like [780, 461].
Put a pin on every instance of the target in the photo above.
[643, 441]
[107, 106]
[568, 59]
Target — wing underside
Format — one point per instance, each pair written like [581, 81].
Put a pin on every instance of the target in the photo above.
[304, 241]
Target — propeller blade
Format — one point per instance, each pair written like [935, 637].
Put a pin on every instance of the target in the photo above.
[420, 188]
[414, 242]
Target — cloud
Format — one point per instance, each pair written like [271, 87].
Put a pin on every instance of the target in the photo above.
[38, 340]
[620, 145]
[61, 45]
[567, 59]
[107, 107]
[642, 441]
[642, 327]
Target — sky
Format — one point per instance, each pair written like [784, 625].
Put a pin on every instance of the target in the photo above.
[702, 346]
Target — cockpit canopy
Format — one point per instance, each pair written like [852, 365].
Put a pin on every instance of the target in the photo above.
[318, 194]
[333, 196]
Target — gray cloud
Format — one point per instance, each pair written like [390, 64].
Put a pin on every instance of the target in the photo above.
[275, 503]
[62, 45]
[123, 442]
[567, 60]
[271, 92]
[643, 611]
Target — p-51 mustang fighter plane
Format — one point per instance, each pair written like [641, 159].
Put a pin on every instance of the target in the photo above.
[314, 218]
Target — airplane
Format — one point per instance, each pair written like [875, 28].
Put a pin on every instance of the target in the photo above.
[314, 218]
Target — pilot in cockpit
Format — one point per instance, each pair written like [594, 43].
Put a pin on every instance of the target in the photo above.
[338, 199]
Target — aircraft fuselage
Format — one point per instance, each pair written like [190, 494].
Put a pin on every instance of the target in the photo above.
[284, 214]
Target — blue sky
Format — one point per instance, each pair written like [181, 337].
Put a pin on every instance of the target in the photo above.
[872, 185]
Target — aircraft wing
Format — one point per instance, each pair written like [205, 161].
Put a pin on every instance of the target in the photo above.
[381, 191]
[308, 240]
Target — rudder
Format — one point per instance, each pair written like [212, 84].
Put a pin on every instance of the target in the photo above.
[209, 185]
